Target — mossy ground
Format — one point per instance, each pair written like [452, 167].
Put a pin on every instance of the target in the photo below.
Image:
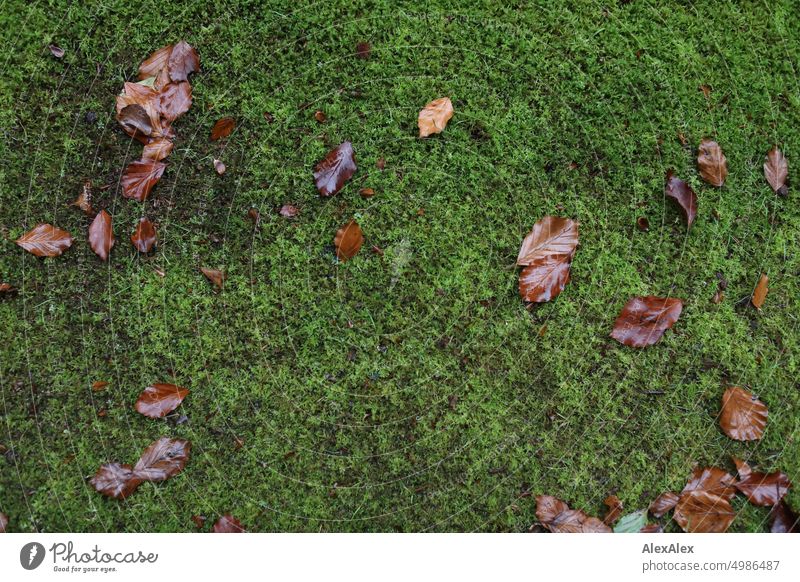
[412, 391]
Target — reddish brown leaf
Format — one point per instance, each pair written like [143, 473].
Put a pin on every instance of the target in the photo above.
[157, 149]
[216, 276]
[219, 167]
[56, 51]
[348, 241]
[760, 292]
[703, 512]
[643, 223]
[6, 288]
[115, 480]
[644, 320]
[652, 528]
[182, 62]
[776, 169]
[222, 128]
[101, 236]
[544, 279]
[154, 64]
[783, 519]
[363, 49]
[174, 100]
[140, 177]
[556, 516]
[712, 163]
[320, 116]
[144, 237]
[228, 524]
[289, 211]
[683, 196]
[3, 523]
[366, 193]
[742, 416]
[434, 116]
[663, 503]
[331, 173]
[764, 489]
[98, 385]
[163, 459]
[552, 235]
[614, 509]
[135, 120]
[84, 199]
[158, 400]
[712, 480]
[45, 240]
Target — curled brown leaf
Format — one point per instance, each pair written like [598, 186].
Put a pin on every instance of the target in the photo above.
[760, 292]
[683, 195]
[663, 503]
[556, 516]
[216, 276]
[703, 512]
[615, 509]
[144, 237]
[84, 199]
[763, 489]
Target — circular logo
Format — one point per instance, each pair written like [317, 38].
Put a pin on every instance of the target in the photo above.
[31, 555]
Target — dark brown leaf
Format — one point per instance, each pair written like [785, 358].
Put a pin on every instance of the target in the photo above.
[760, 292]
[115, 480]
[135, 120]
[331, 173]
[216, 276]
[742, 416]
[712, 163]
[140, 177]
[289, 211]
[434, 116]
[228, 524]
[7, 288]
[776, 169]
[320, 116]
[219, 167]
[157, 149]
[764, 489]
[174, 100]
[163, 459]
[643, 223]
[783, 520]
[683, 196]
[182, 62]
[158, 400]
[663, 503]
[199, 521]
[144, 237]
[222, 128]
[56, 51]
[363, 49]
[703, 512]
[544, 279]
[348, 241]
[45, 240]
[556, 516]
[614, 509]
[101, 236]
[711, 480]
[644, 320]
[84, 199]
[652, 528]
[552, 235]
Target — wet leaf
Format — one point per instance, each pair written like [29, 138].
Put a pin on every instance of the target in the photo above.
[434, 116]
[56, 51]
[98, 385]
[711, 480]
[614, 510]
[199, 521]
[663, 503]
[163, 459]
[544, 279]
[776, 169]
[632, 523]
[764, 489]
[336, 168]
[135, 120]
[556, 516]
[652, 528]
[155, 63]
[289, 211]
[157, 149]
[783, 520]
[158, 400]
[644, 320]
[144, 237]
[84, 199]
[219, 167]
[643, 224]
[712, 163]
[174, 100]
[45, 240]
[760, 292]
[216, 276]
[115, 480]
[348, 241]
[703, 512]
[683, 195]
[742, 416]
[101, 236]
[7, 288]
[140, 177]
[222, 128]
[228, 524]
[320, 116]
[552, 235]
[3, 523]
[182, 62]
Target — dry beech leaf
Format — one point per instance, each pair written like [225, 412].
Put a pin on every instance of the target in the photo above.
[712, 162]
[45, 240]
[348, 241]
[644, 320]
[556, 516]
[336, 168]
[216, 276]
[434, 116]
[101, 236]
[544, 279]
[703, 512]
[182, 62]
[222, 128]
[742, 416]
[3, 523]
[776, 169]
[763, 489]
[289, 211]
[614, 509]
[84, 199]
[552, 235]
[228, 524]
[219, 167]
[782, 519]
[144, 237]
[157, 149]
[760, 292]
[683, 196]
[158, 400]
[663, 503]
[140, 177]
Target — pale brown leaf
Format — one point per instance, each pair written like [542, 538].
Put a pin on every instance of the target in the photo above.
[712, 163]
[776, 169]
[84, 199]
[216, 276]
[434, 116]
[335, 169]
[348, 241]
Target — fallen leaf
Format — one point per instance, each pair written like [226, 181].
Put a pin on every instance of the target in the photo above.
[135, 120]
[348, 241]
[763, 489]
[140, 177]
[6, 288]
[643, 223]
[544, 279]
[783, 519]
[144, 237]
[552, 235]
[158, 400]
[760, 292]
[644, 320]
[663, 503]
[199, 521]
[614, 510]
[289, 211]
[712, 480]
[98, 385]
[219, 167]
[228, 524]
[703, 512]
[216, 276]
[363, 50]
[683, 195]
[652, 528]
[434, 116]
[254, 215]
[712, 163]
[45, 240]
[56, 51]
[632, 523]
[366, 193]
[320, 116]
[174, 100]
[706, 89]
[155, 63]
[183, 60]
[3, 523]
[101, 236]
[742, 416]
[557, 517]
[157, 149]
[776, 169]
[84, 199]
[163, 459]
[718, 297]
[336, 168]
[222, 128]
[115, 480]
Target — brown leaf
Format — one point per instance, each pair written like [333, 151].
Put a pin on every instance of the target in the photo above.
[228, 524]
[289, 211]
[556, 516]
[182, 62]
[84, 199]
[348, 241]
[222, 128]
[216, 276]
[703, 512]
[101, 237]
[363, 49]
[115, 480]
[135, 120]
[144, 237]
[158, 400]
[155, 63]
[7, 288]
[366, 193]
[663, 503]
[56, 51]
[712, 480]
[783, 519]
[652, 528]
[219, 167]
[199, 521]
[552, 235]
[157, 149]
[712, 162]
[336, 168]
[683, 195]
[434, 116]
[643, 223]
[45, 240]
[544, 279]
[163, 459]
[764, 489]
[644, 320]
[718, 297]
[706, 89]
[174, 100]
[140, 177]
[776, 169]
[614, 509]
[98, 385]
[760, 292]
[320, 116]
[742, 416]
[3, 523]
